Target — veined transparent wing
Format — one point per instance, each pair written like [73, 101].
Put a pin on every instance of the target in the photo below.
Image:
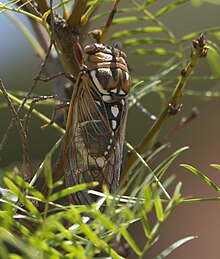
[96, 121]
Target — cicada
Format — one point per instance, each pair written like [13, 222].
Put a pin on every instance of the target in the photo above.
[96, 122]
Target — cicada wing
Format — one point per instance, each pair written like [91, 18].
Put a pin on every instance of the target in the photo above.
[94, 142]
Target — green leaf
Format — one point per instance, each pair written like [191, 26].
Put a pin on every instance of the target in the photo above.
[202, 176]
[27, 34]
[130, 241]
[48, 171]
[41, 167]
[157, 51]
[170, 7]
[147, 40]
[214, 60]
[26, 186]
[8, 6]
[125, 33]
[159, 208]
[146, 224]
[18, 243]
[72, 189]
[174, 246]
[190, 36]
[149, 2]
[22, 197]
[147, 195]
[129, 19]
[162, 168]
[216, 166]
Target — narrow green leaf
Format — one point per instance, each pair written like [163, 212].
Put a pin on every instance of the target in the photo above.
[157, 51]
[130, 241]
[104, 220]
[216, 166]
[125, 33]
[146, 224]
[71, 190]
[27, 34]
[17, 243]
[129, 146]
[22, 197]
[162, 168]
[174, 246]
[177, 190]
[190, 36]
[214, 60]
[14, 256]
[129, 19]
[159, 208]
[147, 40]
[149, 2]
[7, 7]
[147, 195]
[26, 186]
[48, 171]
[202, 176]
[170, 7]
[40, 169]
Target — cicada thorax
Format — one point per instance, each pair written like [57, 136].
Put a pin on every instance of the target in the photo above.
[99, 113]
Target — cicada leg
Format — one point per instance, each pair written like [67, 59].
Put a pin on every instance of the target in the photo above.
[58, 107]
[64, 74]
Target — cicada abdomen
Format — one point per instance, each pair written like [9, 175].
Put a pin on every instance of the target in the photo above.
[96, 121]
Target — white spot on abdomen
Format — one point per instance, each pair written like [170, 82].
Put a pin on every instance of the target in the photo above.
[115, 110]
[106, 98]
[114, 124]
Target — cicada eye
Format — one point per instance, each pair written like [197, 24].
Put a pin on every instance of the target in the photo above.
[94, 48]
[123, 55]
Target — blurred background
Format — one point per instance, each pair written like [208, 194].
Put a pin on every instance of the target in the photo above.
[19, 66]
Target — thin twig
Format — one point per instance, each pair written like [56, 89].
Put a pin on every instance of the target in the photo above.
[32, 106]
[26, 98]
[23, 134]
[199, 51]
[182, 124]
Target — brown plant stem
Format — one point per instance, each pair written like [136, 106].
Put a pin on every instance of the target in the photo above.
[42, 6]
[109, 21]
[74, 19]
[23, 134]
[199, 51]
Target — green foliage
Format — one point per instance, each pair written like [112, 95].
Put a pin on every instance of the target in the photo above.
[68, 231]
[90, 232]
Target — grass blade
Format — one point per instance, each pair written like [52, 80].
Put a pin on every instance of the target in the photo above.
[202, 176]
[174, 246]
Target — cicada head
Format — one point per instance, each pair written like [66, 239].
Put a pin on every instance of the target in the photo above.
[108, 68]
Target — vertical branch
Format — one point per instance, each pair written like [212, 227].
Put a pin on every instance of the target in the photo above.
[199, 51]
[109, 22]
[74, 20]
[23, 134]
